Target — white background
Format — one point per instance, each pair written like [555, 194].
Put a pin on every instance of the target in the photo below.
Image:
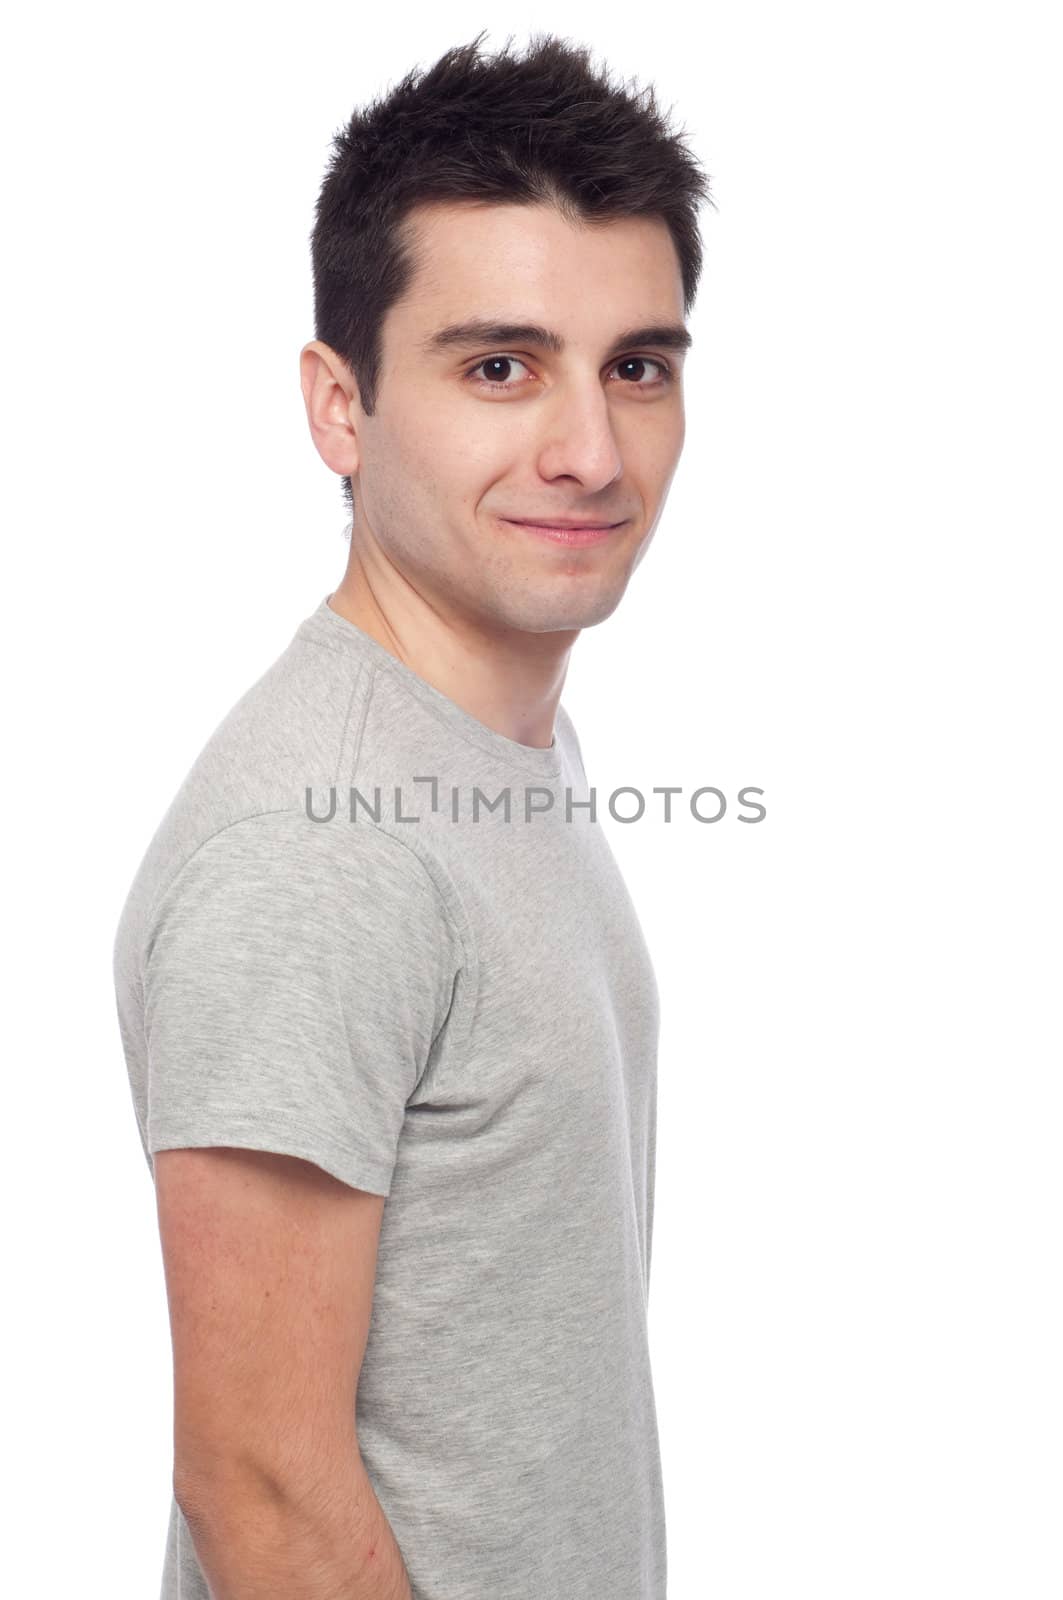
[851, 602]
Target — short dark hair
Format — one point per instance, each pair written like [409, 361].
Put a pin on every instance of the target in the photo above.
[542, 127]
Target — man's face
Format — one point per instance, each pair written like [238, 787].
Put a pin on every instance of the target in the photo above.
[471, 433]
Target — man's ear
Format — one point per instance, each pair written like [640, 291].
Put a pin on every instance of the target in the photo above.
[333, 406]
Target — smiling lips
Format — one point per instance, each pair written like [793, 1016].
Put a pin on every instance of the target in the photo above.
[568, 531]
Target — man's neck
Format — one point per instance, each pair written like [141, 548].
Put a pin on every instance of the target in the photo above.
[510, 682]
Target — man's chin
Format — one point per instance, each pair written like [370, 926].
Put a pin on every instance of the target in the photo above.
[549, 614]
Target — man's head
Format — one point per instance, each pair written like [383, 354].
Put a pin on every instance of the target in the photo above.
[521, 194]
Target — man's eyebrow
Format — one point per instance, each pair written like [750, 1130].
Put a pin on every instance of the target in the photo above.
[665, 335]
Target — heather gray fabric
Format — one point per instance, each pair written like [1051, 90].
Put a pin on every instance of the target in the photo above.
[461, 1015]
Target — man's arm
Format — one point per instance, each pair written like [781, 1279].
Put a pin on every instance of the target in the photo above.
[331, 1543]
[270, 1264]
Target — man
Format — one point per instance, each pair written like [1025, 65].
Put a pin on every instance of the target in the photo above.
[388, 1015]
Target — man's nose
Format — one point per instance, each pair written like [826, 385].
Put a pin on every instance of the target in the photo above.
[578, 438]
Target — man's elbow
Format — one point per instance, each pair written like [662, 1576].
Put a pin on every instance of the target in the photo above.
[319, 1535]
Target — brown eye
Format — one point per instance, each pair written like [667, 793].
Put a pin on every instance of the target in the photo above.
[497, 370]
[641, 363]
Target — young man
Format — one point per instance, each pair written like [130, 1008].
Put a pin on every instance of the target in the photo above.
[389, 1019]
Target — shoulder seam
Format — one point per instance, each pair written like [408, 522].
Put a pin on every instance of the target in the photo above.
[355, 685]
[427, 863]
[459, 925]
[160, 894]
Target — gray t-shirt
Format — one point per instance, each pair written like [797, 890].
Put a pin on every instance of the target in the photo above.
[458, 1012]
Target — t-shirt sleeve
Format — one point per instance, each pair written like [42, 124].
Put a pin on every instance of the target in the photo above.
[297, 978]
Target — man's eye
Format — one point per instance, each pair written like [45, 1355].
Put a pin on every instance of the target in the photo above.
[496, 369]
[643, 362]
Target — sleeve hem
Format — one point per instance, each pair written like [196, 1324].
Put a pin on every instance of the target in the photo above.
[282, 1138]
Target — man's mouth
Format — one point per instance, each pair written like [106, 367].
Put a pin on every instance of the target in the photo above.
[566, 530]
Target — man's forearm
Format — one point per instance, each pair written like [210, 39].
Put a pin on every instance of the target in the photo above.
[329, 1541]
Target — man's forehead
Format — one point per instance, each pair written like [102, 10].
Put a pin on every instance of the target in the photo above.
[493, 247]
[461, 295]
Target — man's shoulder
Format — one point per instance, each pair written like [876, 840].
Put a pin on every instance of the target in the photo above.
[245, 792]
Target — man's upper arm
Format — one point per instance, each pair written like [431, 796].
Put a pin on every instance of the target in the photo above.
[270, 1264]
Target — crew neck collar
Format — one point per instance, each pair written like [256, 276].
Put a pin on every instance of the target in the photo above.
[328, 627]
